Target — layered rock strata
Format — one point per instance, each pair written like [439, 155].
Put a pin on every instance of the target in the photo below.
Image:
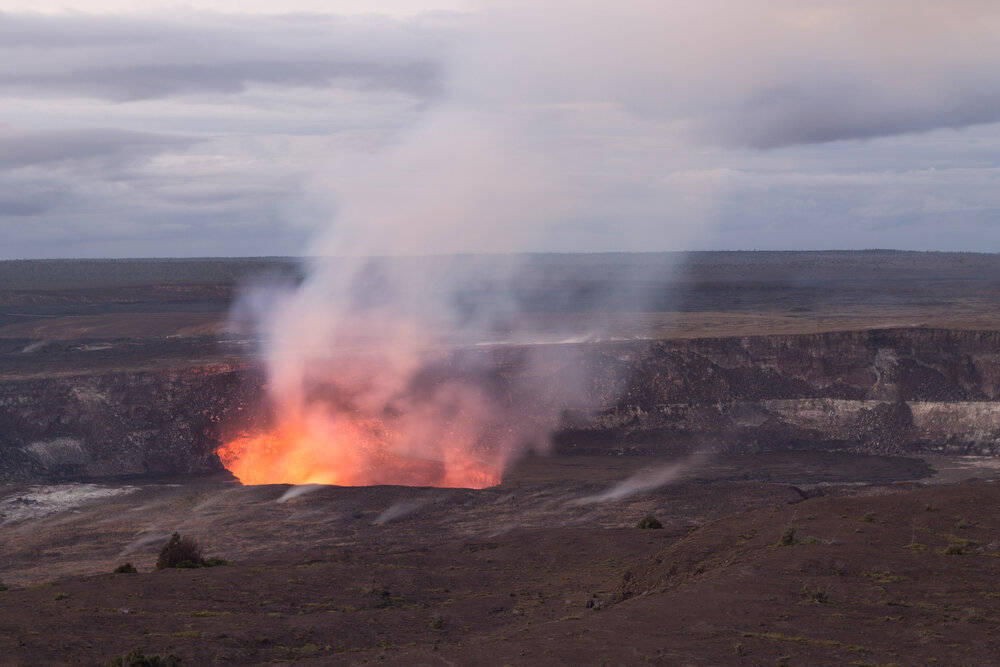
[880, 391]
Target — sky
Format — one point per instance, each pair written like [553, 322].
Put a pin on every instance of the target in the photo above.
[225, 128]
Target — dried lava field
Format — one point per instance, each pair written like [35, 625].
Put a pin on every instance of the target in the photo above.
[816, 432]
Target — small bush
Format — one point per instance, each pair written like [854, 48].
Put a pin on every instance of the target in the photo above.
[381, 597]
[136, 658]
[649, 522]
[126, 568]
[3, 586]
[817, 596]
[179, 552]
[787, 537]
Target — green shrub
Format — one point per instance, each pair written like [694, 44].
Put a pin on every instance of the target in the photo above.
[381, 596]
[3, 586]
[179, 552]
[136, 658]
[649, 522]
[787, 537]
[184, 552]
[817, 596]
[125, 568]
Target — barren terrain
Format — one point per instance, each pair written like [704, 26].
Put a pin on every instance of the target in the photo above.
[807, 522]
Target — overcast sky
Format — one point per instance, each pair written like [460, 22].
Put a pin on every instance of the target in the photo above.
[217, 127]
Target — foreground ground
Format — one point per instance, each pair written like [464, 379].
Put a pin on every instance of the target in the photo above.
[548, 568]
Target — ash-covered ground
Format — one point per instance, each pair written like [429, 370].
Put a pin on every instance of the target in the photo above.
[878, 544]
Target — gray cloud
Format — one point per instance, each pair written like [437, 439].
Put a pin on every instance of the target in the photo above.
[21, 148]
[127, 58]
[764, 74]
[18, 203]
[109, 192]
[805, 112]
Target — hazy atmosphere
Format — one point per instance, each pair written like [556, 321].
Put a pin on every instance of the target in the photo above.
[473, 332]
[265, 128]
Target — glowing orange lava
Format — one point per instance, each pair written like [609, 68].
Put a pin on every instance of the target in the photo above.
[338, 450]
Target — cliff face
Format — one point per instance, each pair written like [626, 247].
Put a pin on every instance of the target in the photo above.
[882, 391]
[116, 424]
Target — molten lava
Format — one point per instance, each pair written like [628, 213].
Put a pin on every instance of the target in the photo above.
[338, 450]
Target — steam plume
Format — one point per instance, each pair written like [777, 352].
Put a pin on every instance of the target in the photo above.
[362, 383]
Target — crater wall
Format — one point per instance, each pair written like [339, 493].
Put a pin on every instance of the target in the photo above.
[892, 391]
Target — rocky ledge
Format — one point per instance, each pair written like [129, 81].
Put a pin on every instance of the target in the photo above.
[881, 391]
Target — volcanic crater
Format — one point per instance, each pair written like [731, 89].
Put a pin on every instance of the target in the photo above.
[816, 432]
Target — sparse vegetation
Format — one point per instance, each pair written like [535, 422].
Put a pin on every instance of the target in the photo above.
[184, 552]
[829, 643]
[136, 658]
[787, 538]
[179, 552]
[381, 597]
[649, 522]
[126, 568]
[816, 596]
[885, 577]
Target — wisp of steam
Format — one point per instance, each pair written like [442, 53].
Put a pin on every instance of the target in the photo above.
[645, 480]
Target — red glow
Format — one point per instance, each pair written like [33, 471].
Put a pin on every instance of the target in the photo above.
[338, 450]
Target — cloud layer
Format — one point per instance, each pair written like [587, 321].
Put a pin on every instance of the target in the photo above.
[123, 58]
[543, 126]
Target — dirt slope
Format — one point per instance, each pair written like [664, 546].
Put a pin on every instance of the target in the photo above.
[889, 576]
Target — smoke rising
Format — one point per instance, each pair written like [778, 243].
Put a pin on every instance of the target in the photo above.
[372, 377]
[536, 109]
